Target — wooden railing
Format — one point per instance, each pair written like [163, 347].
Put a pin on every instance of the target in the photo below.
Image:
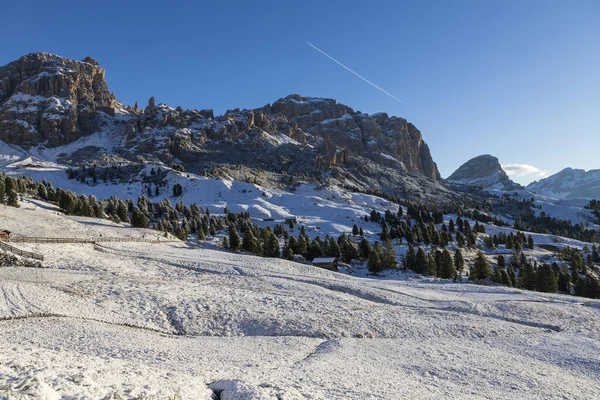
[19, 252]
[87, 240]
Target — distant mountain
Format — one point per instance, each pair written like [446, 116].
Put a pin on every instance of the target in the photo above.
[569, 184]
[486, 171]
[54, 105]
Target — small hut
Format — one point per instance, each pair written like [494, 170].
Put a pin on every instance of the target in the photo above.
[4, 235]
[330, 263]
[291, 219]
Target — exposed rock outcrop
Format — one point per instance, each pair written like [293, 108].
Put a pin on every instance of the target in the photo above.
[486, 171]
[49, 99]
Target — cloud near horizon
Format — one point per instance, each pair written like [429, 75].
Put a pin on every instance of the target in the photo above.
[514, 169]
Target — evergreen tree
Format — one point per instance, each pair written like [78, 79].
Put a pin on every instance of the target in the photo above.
[460, 240]
[564, 281]
[506, 278]
[364, 248]
[421, 262]
[530, 242]
[527, 277]
[410, 260]
[354, 230]
[384, 232]
[271, 248]
[333, 248]
[389, 255]
[12, 198]
[447, 270]
[301, 246]
[546, 280]
[374, 264]
[459, 261]
[481, 268]
[497, 276]
[431, 265]
[234, 239]
[138, 219]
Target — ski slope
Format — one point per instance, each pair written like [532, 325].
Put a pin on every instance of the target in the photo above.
[138, 320]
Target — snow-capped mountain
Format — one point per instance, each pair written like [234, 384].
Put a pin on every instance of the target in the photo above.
[62, 110]
[486, 171]
[569, 184]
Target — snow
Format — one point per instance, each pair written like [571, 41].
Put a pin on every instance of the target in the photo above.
[388, 157]
[136, 319]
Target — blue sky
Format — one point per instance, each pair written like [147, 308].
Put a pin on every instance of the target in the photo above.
[516, 79]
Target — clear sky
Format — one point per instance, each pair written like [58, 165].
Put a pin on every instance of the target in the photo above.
[516, 79]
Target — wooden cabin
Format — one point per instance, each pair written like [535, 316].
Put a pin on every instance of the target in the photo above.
[4, 235]
[291, 219]
[330, 263]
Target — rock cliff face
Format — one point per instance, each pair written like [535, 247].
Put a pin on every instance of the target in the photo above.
[49, 101]
[486, 171]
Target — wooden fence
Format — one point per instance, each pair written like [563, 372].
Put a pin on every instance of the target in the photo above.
[87, 240]
[94, 240]
[19, 252]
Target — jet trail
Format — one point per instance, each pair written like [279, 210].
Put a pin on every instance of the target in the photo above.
[360, 76]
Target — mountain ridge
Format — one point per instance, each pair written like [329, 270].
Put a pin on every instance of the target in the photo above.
[48, 101]
[569, 183]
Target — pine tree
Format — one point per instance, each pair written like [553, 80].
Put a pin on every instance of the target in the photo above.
[481, 268]
[546, 280]
[271, 248]
[421, 262]
[12, 198]
[384, 232]
[364, 248]
[459, 261]
[354, 230]
[497, 276]
[234, 239]
[301, 246]
[410, 259]
[389, 255]
[527, 277]
[374, 264]
[564, 281]
[530, 242]
[460, 239]
[431, 265]
[447, 270]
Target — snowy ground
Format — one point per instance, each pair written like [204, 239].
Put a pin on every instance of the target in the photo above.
[128, 320]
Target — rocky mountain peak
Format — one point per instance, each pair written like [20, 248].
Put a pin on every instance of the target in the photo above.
[47, 100]
[45, 97]
[484, 170]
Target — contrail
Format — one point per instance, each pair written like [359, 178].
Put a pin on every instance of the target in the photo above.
[361, 77]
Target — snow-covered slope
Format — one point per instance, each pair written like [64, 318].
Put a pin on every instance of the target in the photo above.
[569, 184]
[130, 320]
